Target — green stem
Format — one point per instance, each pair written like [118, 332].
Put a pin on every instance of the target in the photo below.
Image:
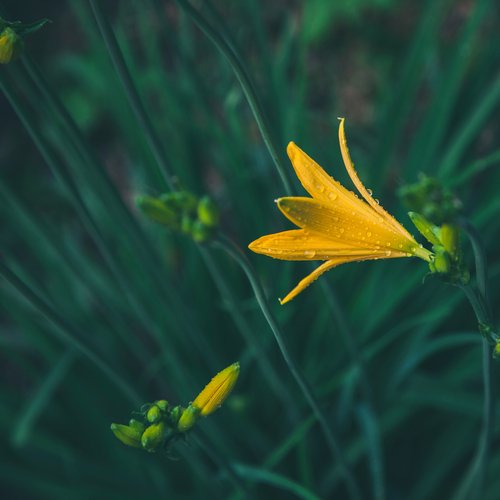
[366, 412]
[67, 332]
[257, 349]
[473, 482]
[166, 175]
[236, 254]
[229, 52]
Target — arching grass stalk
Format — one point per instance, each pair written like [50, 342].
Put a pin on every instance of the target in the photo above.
[256, 347]
[235, 61]
[166, 175]
[472, 484]
[236, 254]
[366, 411]
[67, 332]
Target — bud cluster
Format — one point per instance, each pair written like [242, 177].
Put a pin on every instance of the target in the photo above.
[183, 212]
[445, 240]
[160, 424]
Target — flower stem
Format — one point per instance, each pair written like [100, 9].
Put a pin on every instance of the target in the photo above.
[235, 253]
[473, 482]
[230, 53]
[165, 174]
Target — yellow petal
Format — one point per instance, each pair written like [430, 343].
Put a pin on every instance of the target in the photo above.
[315, 180]
[350, 228]
[329, 264]
[300, 244]
[349, 165]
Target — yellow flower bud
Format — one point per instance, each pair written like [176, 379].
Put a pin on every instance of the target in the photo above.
[127, 435]
[153, 436]
[188, 418]
[217, 390]
[11, 45]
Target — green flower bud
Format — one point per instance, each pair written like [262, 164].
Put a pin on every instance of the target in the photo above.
[180, 200]
[200, 232]
[157, 211]
[450, 239]
[135, 424]
[153, 436]
[441, 262]
[175, 415]
[162, 404]
[11, 45]
[208, 213]
[127, 435]
[153, 414]
[428, 230]
[188, 418]
[496, 350]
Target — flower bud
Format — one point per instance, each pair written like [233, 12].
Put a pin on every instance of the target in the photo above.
[188, 418]
[153, 437]
[441, 262]
[127, 435]
[217, 390]
[11, 45]
[208, 212]
[135, 424]
[449, 239]
[153, 414]
[428, 230]
[156, 210]
[180, 200]
[162, 404]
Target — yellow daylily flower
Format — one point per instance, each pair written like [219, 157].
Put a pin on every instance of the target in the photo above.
[335, 225]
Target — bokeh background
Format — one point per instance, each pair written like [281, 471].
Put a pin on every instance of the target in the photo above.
[395, 362]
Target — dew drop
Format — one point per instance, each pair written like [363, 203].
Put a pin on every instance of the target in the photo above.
[341, 230]
[377, 201]
[388, 253]
[309, 254]
[332, 196]
[368, 234]
[370, 192]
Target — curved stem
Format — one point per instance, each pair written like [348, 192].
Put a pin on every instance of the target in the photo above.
[473, 482]
[165, 172]
[236, 254]
[246, 83]
[67, 332]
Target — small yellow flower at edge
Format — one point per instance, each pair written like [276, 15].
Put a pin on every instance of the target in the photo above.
[335, 225]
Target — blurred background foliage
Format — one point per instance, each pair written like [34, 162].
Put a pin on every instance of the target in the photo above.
[419, 85]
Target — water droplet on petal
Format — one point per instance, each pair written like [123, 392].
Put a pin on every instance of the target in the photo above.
[370, 192]
[332, 196]
[368, 234]
[309, 254]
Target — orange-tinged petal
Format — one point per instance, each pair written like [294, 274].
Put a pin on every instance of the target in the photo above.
[300, 244]
[217, 390]
[349, 228]
[349, 165]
